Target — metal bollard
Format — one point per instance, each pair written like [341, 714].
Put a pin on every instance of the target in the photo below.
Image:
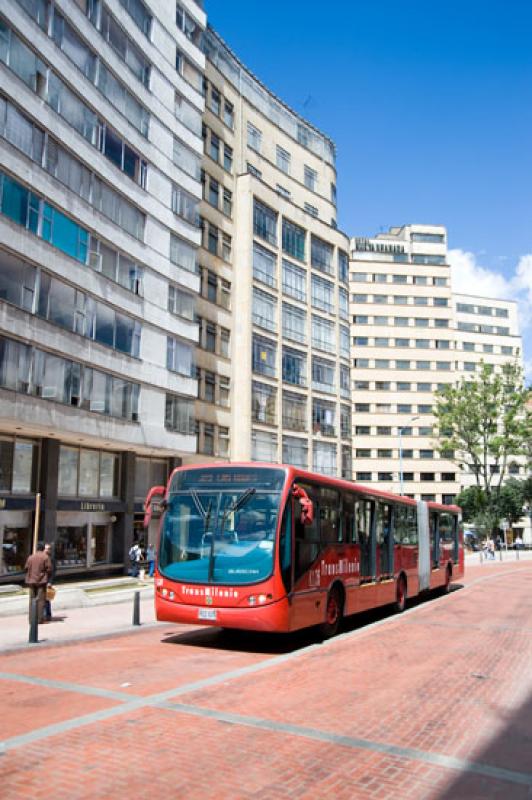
[517, 553]
[481, 557]
[34, 623]
[500, 555]
[136, 608]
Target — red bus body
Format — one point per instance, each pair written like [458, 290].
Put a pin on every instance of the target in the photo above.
[288, 603]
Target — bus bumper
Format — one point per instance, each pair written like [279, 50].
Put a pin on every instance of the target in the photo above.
[272, 617]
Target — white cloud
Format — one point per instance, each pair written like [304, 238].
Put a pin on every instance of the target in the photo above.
[470, 277]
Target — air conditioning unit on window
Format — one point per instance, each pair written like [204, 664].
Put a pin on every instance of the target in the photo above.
[135, 416]
[97, 405]
[49, 392]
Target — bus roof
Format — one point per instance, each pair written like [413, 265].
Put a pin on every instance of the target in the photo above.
[295, 472]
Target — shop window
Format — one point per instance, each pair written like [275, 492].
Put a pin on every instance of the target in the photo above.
[71, 546]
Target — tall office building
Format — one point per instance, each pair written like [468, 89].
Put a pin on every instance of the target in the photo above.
[100, 118]
[273, 364]
[410, 337]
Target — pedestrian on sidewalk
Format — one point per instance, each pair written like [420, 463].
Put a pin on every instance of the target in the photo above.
[38, 570]
[135, 554]
[491, 548]
[150, 557]
[48, 603]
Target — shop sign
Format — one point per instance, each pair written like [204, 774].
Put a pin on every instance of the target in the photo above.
[92, 506]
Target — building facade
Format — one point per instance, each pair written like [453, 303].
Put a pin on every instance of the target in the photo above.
[100, 121]
[410, 337]
[273, 364]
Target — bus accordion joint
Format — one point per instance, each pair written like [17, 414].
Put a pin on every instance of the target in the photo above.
[307, 506]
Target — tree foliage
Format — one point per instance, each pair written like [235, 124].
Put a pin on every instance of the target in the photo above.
[484, 422]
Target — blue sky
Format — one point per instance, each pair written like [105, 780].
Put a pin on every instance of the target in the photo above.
[430, 107]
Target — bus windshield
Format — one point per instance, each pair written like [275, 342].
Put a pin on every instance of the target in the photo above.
[219, 525]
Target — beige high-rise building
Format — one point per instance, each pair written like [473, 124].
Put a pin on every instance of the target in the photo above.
[410, 337]
[273, 364]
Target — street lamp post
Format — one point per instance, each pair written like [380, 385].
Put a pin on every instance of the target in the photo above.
[400, 431]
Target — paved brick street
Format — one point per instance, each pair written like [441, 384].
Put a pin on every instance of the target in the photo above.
[436, 703]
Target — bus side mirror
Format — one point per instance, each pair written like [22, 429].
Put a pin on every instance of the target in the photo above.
[155, 491]
[307, 506]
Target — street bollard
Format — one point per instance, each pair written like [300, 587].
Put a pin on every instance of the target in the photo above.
[500, 555]
[481, 557]
[517, 553]
[34, 623]
[136, 608]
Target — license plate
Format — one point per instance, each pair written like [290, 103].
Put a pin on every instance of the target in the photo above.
[206, 613]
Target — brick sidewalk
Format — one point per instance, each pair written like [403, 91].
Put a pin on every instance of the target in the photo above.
[436, 703]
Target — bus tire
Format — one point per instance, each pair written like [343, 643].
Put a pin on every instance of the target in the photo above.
[401, 594]
[333, 613]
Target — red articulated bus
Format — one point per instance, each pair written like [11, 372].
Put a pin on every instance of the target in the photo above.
[267, 547]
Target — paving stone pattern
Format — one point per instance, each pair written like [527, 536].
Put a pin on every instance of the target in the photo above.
[432, 704]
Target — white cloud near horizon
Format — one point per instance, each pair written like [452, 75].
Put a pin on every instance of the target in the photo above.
[470, 277]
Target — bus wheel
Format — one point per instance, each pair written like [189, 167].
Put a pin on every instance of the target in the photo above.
[400, 598]
[333, 614]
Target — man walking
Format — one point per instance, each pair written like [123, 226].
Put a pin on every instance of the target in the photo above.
[38, 572]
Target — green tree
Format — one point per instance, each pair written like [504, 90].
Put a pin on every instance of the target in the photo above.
[472, 501]
[483, 422]
[511, 500]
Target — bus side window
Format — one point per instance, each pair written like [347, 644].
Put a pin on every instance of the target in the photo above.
[329, 508]
[349, 531]
[412, 525]
[400, 535]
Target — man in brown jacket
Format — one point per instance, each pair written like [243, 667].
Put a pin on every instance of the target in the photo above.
[38, 572]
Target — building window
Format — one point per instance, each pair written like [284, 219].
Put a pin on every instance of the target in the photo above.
[345, 422]
[216, 101]
[263, 403]
[264, 446]
[294, 323]
[323, 417]
[321, 254]
[264, 265]
[180, 303]
[214, 150]
[229, 114]
[294, 281]
[322, 294]
[264, 354]
[228, 157]
[323, 334]
[343, 266]
[185, 205]
[264, 310]
[294, 367]
[323, 375]
[324, 458]
[311, 178]
[179, 414]
[294, 411]
[223, 441]
[265, 222]
[293, 240]
[179, 357]
[295, 452]
[254, 138]
[283, 159]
